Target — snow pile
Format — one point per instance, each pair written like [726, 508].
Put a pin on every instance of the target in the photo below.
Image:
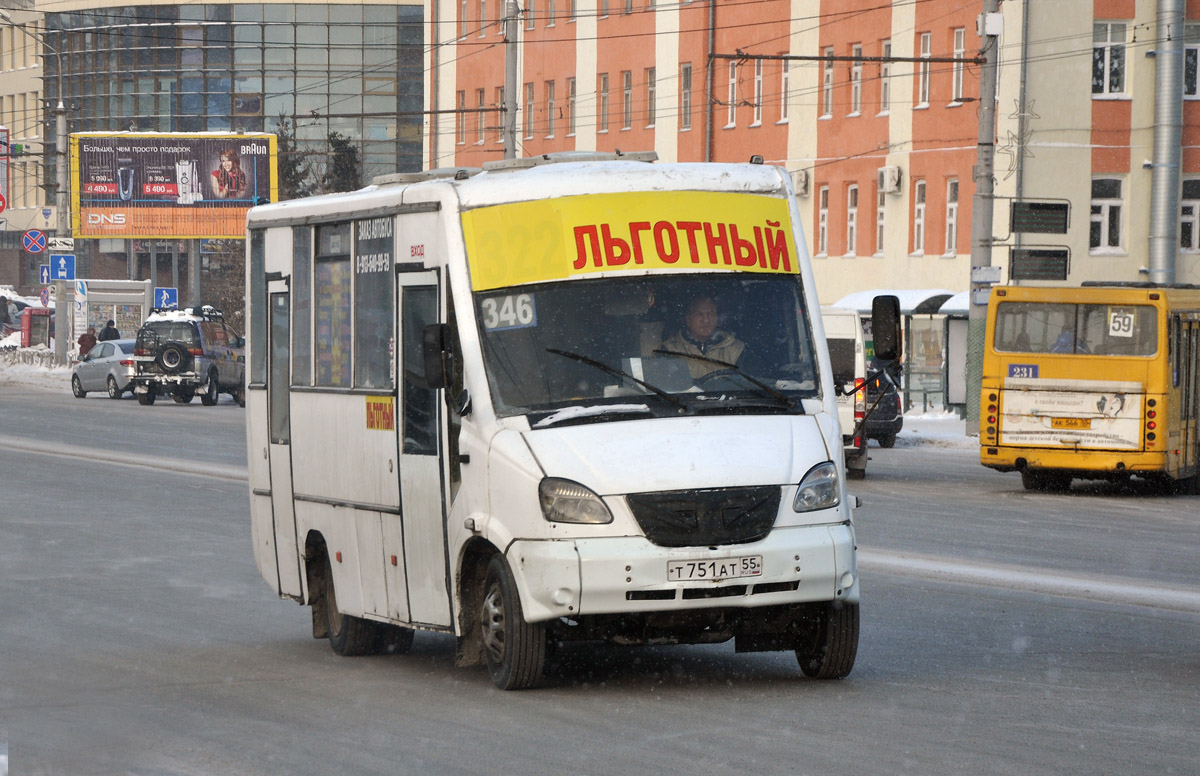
[57, 378]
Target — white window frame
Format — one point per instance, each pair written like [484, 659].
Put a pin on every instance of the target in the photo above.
[823, 221]
[951, 247]
[551, 12]
[483, 17]
[462, 19]
[919, 191]
[827, 86]
[602, 98]
[758, 93]
[1189, 216]
[626, 99]
[856, 81]
[572, 98]
[651, 97]
[550, 109]
[1191, 59]
[852, 220]
[731, 120]
[685, 96]
[1109, 51]
[785, 91]
[460, 129]
[960, 50]
[880, 201]
[1107, 212]
[923, 70]
[885, 79]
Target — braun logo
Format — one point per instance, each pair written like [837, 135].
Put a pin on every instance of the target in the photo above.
[99, 219]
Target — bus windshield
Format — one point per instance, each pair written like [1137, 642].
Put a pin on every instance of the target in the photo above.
[655, 342]
[1092, 329]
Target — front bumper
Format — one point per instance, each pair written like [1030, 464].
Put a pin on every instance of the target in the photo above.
[618, 575]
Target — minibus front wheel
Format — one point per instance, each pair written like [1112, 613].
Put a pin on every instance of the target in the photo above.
[515, 650]
[831, 645]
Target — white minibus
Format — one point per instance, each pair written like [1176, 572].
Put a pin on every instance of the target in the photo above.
[573, 397]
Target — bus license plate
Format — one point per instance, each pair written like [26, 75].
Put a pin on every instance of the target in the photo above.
[723, 568]
[1071, 423]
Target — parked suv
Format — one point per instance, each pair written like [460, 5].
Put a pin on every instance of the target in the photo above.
[189, 352]
[888, 418]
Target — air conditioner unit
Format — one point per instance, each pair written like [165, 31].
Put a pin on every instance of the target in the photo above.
[889, 180]
[800, 182]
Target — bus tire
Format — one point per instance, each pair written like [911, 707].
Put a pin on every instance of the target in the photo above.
[831, 646]
[515, 650]
[349, 636]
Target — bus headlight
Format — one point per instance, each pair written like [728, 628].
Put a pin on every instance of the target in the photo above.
[819, 489]
[564, 501]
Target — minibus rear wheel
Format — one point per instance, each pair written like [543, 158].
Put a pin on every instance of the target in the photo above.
[515, 650]
[348, 635]
[829, 650]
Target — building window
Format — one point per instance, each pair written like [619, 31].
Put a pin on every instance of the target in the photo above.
[626, 99]
[550, 13]
[852, 220]
[572, 95]
[480, 116]
[1108, 58]
[1191, 59]
[960, 50]
[602, 9]
[827, 85]
[483, 17]
[885, 78]
[785, 90]
[462, 18]
[651, 96]
[628, 6]
[919, 217]
[1106, 215]
[923, 70]
[549, 109]
[1189, 216]
[731, 121]
[685, 96]
[602, 111]
[823, 221]
[951, 217]
[856, 81]
[530, 14]
[880, 198]
[460, 126]
[758, 92]
[528, 112]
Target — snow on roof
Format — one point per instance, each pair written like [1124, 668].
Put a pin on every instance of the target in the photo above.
[184, 314]
[958, 305]
[913, 301]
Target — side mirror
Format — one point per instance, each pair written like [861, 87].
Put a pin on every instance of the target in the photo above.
[435, 336]
[885, 327]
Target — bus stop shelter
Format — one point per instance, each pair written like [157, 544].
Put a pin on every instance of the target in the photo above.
[922, 365]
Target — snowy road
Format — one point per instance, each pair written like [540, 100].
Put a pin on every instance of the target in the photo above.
[138, 637]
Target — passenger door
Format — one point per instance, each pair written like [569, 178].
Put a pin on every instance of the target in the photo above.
[279, 414]
[422, 500]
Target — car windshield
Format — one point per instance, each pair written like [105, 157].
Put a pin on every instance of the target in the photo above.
[648, 345]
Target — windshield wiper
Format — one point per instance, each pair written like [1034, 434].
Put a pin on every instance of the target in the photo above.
[612, 370]
[773, 392]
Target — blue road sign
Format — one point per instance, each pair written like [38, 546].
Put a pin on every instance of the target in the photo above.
[166, 297]
[62, 266]
[34, 240]
[44, 274]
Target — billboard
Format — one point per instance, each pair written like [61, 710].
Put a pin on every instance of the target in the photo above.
[181, 185]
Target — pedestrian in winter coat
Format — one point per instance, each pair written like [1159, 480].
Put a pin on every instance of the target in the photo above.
[87, 341]
[109, 332]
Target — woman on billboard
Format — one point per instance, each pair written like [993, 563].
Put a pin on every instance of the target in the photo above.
[228, 180]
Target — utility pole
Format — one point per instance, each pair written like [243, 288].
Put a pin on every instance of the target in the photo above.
[990, 25]
[510, 80]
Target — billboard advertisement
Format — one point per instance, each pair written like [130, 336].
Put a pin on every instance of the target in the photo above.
[181, 185]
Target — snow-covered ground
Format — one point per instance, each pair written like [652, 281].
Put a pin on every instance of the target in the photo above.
[925, 429]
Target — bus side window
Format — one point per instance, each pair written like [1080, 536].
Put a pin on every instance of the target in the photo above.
[418, 309]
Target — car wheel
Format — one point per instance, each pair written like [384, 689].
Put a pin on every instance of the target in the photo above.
[832, 643]
[349, 636]
[147, 398]
[77, 387]
[113, 391]
[183, 397]
[240, 394]
[212, 393]
[515, 650]
[888, 440]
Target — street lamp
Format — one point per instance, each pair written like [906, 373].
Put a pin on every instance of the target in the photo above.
[63, 221]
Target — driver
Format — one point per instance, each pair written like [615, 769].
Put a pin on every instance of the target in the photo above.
[700, 336]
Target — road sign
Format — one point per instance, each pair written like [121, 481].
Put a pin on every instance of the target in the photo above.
[44, 274]
[166, 297]
[45, 297]
[62, 266]
[3, 202]
[34, 241]
[61, 245]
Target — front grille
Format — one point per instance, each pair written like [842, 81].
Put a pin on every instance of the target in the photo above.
[694, 518]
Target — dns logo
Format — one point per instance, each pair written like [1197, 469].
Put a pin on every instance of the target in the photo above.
[101, 219]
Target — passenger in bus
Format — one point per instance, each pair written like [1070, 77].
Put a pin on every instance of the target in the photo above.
[1066, 343]
[1023, 345]
[700, 335]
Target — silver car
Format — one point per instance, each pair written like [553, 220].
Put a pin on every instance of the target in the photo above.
[108, 366]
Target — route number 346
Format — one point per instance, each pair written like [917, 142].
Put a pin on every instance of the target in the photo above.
[513, 311]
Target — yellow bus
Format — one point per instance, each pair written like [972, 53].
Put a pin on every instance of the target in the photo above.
[1097, 382]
